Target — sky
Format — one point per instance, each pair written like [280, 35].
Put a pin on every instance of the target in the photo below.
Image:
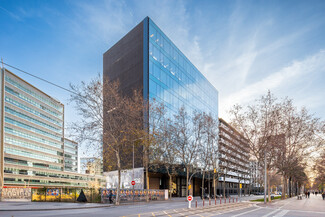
[244, 48]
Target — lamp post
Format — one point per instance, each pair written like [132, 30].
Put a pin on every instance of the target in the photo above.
[189, 180]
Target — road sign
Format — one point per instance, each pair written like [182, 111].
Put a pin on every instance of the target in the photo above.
[240, 185]
[189, 187]
[215, 170]
[189, 198]
[133, 183]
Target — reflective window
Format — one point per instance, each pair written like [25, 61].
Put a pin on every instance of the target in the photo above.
[174, 80]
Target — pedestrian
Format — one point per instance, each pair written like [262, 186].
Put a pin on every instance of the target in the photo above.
[110, 195]
[308, 194]
[323, 195]
[316, 193]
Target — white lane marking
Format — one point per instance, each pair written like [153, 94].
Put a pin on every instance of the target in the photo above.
[243, 213]
[270, 213]
[282, 213]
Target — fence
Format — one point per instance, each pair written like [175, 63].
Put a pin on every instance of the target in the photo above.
[15, 193]
[129, 195]
[65, 194]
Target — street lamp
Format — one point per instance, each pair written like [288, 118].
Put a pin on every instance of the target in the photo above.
[189, 181]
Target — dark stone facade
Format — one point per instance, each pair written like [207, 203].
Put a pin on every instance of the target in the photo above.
[124, 62]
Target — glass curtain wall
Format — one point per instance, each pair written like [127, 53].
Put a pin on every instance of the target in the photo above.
[174, 80]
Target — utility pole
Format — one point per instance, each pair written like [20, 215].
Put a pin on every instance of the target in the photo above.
[265, 177]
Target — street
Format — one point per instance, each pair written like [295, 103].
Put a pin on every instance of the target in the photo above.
[314, 206]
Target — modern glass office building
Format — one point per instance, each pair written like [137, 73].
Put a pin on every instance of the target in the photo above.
[146, 59]
[174, 80]
[32, 149]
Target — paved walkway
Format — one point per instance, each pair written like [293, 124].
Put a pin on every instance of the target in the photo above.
[26, 206]
[314, 203]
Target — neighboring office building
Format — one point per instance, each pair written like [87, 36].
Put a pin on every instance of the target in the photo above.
[32, 132]
[234, 161]
[91, 165]
[70, 155]
[146, 59]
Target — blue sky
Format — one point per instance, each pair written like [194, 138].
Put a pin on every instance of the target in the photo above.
[243, 47]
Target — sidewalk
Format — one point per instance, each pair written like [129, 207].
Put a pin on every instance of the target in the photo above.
[41, 206]
[314, 203]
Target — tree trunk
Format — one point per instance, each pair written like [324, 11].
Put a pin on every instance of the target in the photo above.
[202, 192]
[238, 187]
[209, 184]
[117, 201]
[268, 185]
[146, 164]
[290, 187]
[285, 187]
[170, 186]
[224, 185]
[214, 185]
[187, 177]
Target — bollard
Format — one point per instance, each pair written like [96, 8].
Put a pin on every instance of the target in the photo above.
[233, 200]
[209, 202]
[229, 199]
[237, 199]
[225, 200]
[203, 202]
[215, 201]
[220, 200]
[196, 203]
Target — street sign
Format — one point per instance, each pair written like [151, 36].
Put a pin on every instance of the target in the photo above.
[240, 185]
[189, 198]
[133, 183]
[215, 170]
[189, 187]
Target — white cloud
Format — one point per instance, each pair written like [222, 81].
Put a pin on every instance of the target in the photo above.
[285, 78]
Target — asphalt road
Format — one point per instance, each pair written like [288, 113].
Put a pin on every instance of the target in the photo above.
[314, 206]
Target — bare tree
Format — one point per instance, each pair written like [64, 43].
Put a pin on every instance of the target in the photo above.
[89, 106]
[258, 124]
[299, 140]
[163, 152]
[210, 131]
[123, 115]
[187, 138]
[278, 132]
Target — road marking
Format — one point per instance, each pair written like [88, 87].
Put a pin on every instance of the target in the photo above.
[153, 214]
[282, 213]
[167, 214]
[138, 215]
[243, 213]
[270, 213]
[179, 212]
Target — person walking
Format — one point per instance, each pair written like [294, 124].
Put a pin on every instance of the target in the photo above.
[323, 195]
[110, 195]
[308, 194]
